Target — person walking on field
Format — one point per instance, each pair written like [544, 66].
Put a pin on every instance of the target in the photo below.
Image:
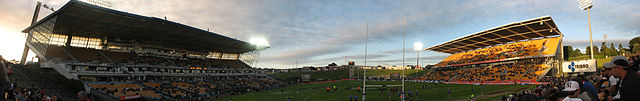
[328, 88]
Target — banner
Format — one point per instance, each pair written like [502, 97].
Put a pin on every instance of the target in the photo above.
[579, 66]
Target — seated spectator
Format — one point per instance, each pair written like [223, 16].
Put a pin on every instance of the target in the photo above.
[629, 80]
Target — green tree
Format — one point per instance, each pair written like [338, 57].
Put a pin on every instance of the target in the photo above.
[604, 50]
[596, 51]
[577, 52]
[613, 51]
[636, 48]
[632, 45]
[621, 50]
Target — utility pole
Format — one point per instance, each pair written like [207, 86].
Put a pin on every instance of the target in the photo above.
[605, 37]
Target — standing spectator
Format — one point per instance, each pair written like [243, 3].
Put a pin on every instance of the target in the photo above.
[355, 98]
[4, 79]
[335, 89]
[572, 88]
[449, 92]
[629, 81]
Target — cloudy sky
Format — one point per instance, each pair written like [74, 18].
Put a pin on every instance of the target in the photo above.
[319, 32]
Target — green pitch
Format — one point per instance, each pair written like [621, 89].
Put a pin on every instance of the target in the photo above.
[431, 92]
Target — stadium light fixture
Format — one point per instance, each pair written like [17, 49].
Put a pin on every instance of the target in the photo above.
[259, 41]
[587, 5]
[417, 46]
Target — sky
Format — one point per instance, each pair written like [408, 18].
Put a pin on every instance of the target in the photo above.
[320, 32]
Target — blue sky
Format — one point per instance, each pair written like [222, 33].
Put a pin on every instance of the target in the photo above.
[319, 32]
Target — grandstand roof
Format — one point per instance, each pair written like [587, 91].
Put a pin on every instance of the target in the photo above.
[527, 29]
[82, 19]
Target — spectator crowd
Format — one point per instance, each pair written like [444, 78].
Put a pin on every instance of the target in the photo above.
[619, 80]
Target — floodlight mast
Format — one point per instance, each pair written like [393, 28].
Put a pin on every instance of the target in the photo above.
[260, 44]
[586, 5]
[418, 47]
[34, 19]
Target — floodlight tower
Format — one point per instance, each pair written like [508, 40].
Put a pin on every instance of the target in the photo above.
[260, 44]
[418, 47]
[586, 5]
[34, 19]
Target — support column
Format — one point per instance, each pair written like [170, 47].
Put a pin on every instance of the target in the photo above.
[68, 43]
[25, 52]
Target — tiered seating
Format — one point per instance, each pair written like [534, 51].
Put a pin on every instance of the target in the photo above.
[537, 47]
[93, 55]
[121, 57]
[496, 73]
[55, 51]
[86, 55]
[118, 90]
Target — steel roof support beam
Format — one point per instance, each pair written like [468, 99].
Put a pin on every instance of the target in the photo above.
[510, 36]
[480, 42]
[487, 39]
[490, 31]
[514, 32]
[552, 28]
[531, 29]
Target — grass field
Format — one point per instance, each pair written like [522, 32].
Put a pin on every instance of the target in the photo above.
[432, 92]
[600, 59]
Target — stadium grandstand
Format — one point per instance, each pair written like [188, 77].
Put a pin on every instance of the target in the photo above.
[521, 51]
[119, 55]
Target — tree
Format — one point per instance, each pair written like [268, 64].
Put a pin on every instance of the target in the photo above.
[621, 50]
[613, 51]
[604, 49]
[577, 52]
[636, 48]
[596, 51]
[572, 52]
[632, 45]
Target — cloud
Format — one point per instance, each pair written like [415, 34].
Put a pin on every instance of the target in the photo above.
[623, 15]
[584, 43]
[412, 60]
[314, 32]
[407, 50]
